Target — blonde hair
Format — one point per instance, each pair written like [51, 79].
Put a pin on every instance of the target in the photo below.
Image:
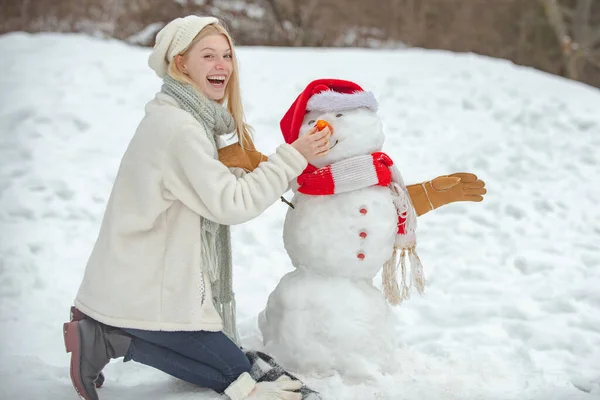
[232, 91]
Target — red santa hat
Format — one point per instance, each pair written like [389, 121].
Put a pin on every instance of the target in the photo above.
[326, 95]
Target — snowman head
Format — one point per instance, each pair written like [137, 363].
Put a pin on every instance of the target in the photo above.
[351, 112]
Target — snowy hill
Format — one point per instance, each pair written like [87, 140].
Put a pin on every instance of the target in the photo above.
[512, 306]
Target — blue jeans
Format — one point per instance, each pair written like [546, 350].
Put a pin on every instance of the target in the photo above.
[207, 359]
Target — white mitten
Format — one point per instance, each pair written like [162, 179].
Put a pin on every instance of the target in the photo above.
[245, 388]
[282, 389]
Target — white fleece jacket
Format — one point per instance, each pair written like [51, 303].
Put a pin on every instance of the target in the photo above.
[145, 269]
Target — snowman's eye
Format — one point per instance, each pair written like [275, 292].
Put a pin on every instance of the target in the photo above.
[338, 115]
[312, 121]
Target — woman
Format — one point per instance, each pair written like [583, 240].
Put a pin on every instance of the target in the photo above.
[157, 286]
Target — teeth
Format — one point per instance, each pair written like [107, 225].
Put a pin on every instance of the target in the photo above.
[217, 78]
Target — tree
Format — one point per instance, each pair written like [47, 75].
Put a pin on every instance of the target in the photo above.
[294, 19]
[578, 38]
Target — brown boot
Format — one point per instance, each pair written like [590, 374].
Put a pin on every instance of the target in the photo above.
[92, 345]
[76, 315]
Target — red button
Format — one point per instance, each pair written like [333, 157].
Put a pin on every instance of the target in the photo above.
[363, 211]
[360, 256]
[363, 235]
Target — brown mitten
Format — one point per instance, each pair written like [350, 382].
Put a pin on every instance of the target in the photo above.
[234, 156]
[462, 186]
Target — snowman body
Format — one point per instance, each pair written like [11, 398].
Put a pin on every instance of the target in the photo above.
[326, 316]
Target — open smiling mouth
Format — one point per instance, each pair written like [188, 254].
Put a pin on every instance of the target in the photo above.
[217, 81]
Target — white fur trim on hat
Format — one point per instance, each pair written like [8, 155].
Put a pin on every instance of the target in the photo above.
[331, 100]
[175, 37]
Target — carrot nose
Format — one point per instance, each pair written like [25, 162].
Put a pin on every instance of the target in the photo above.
[321, 124]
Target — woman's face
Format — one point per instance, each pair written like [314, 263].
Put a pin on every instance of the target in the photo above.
[209, 64]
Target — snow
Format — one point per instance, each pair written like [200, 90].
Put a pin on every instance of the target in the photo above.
[512, 304]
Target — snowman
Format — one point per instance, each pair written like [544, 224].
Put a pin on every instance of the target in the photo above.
[351, 218]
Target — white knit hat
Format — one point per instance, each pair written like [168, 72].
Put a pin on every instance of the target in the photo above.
[174, 38]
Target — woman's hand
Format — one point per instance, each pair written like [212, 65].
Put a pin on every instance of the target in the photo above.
[313, 144]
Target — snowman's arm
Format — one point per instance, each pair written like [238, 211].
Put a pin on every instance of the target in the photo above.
[418, 198]
[445, 189]
[234, 156]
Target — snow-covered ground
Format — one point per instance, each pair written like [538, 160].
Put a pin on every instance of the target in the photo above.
[512, 305]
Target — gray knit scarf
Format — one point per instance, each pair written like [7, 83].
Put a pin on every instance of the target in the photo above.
[216, 238]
